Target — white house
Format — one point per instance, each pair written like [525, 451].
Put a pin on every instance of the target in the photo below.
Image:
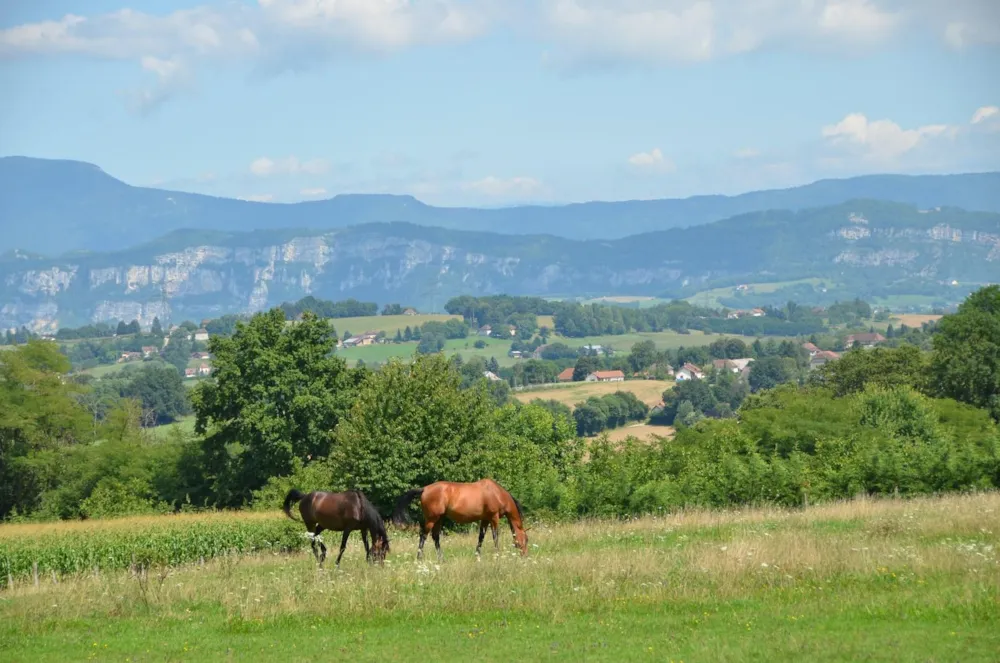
[606, 376]
[201, 335]
[689, 372]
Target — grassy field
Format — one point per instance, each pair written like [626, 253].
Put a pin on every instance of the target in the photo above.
[710, 298]
[648, 391]
[640, 432]
[863, 580]
[387, 323]
[913, 319]
[185, 425]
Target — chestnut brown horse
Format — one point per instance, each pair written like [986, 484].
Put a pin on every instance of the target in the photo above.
[484, 502]
[340, 512]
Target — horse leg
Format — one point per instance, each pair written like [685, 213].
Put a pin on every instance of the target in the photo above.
[482, 535]
[436, 533]
[494, 525]
[343, 546]
[322, 546]
[423, 537]
[368, 550]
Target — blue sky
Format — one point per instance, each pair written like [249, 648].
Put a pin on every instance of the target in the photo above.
[490, 102]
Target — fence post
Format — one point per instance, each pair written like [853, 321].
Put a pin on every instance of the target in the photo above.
[34, 572]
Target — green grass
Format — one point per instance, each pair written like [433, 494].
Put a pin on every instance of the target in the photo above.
[387, 323]
[185, 425]
[876, 581]
[711, 298]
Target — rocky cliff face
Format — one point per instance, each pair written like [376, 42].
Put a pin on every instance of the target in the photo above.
[187, 277]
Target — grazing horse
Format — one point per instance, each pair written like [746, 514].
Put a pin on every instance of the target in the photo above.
[484, 501]
[340, 512]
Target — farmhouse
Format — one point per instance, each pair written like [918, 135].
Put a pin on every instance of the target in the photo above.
[606, 376]
[200, 355]
[201, 335]
[190, 372]
[514, 354]
[811, 349]
[864, 340]
[129, 356]
[566, 375]
[537, 354]
[410, 311]
[689, 372]
[204, 369]
[485, 330]
[492, 377]
[148, 351]
[822, 357]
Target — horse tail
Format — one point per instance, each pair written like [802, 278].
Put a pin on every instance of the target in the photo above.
[399, 515]
[373, 519]
[293, 497]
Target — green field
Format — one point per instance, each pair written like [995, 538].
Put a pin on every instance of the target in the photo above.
[710, 298]
[387, 323]
[184, 424]
[874, 581]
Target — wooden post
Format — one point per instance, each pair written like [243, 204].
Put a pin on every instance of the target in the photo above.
[34, 572]
[10, 580]
[55, 580]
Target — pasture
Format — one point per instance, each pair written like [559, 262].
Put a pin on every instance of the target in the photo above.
[389, 324]
[639, 432]
[711, 298]
[914, 319]
[892, 580]
[649, 392]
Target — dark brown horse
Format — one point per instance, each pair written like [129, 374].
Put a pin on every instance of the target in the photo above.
[484, 502]
[340, 512]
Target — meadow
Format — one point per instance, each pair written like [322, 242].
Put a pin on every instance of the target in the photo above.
[649, 392]
[389, 324]
[640, 432]
[890, 580]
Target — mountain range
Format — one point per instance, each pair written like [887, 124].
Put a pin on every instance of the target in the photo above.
[51, 207]
[856, 248]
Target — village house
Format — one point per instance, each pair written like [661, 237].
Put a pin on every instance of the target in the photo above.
[864, 340]
[492, 377]
[201, 335]
[485, 330]
[822, 357]
[606, 376]
[200, 355]
[566, 375]
[811, 349]
[129, 356]
[689, 372]
[731, 365]
[757, 312]
[537, 354]
[410, 311]
[514, 354]
[190, 372]
[204, 369]
[148, 351]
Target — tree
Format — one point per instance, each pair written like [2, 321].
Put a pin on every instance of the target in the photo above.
[886, 367]
[399, 336]
[122, 328]
[157, 328]
[430, 343]
[585, 366]
[479, 344]
[493, 365]
[767, 373]
[642, 356]
[39, 414]
[178, 350]
[278, 394]
[408, 334]
[966, 359]
[134, 328]
[392, 309]
[161, 392]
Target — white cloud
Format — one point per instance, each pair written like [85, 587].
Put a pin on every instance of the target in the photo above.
[259, 198]
[985, 114]
[514, 187]
[313, 193]
[881, 140]
[652, 161]
[746, 153]
[265, 166]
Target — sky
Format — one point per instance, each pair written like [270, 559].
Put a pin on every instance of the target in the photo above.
[501, 102]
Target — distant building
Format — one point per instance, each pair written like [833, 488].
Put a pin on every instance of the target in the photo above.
[129, 356]
[566, 375]
[689, 372]
[811, 349]
[148, 351]
[201, 335]
[606, 376]
[864, 340]
[822, 357]
[190, 372]
[485, 330]
[515, 354]
[492, 377]
[410, 311]
[204, 369]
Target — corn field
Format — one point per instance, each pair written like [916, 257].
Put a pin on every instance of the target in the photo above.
[50, 550]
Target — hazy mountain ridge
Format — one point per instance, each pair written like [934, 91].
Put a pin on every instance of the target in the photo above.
[197, 274]
[52, 207]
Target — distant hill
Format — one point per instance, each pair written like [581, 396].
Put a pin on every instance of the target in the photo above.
[52, 207]
[863, 248]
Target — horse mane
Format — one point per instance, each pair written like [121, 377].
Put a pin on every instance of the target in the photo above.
[372, 519]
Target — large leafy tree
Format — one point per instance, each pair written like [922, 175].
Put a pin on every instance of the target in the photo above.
[39, 414]
[160, 391]
[278, 394]
[965, 364]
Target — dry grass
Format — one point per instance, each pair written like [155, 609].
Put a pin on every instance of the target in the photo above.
[649, 392]
[914, 319]
[640, 432]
